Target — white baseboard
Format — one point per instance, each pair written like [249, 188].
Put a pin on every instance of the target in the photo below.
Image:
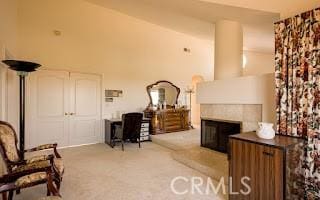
[78, 145]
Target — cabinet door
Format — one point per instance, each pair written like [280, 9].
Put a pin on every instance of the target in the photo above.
[244, 162]
[276, 166]
[262, 164]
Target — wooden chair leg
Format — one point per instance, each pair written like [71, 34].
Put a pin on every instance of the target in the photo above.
[139, 143]
[48, 190]
[113, 142]
[10, 195]
[4, 196]
[122, 143]
[58, 184]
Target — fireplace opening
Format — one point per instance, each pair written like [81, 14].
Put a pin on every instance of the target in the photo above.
[215, 133]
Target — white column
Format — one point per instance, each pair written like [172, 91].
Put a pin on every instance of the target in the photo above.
[228, 49]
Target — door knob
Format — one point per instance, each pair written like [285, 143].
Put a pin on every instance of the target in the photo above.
[65, 113]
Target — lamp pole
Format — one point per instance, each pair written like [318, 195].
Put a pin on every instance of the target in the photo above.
[22, 105]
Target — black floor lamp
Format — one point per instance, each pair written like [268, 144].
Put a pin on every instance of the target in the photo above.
[22, 68]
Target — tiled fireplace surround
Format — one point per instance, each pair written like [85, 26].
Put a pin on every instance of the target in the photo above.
[248, 114]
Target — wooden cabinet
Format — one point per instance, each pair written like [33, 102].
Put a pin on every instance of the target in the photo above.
[263, 161]
[168, 120]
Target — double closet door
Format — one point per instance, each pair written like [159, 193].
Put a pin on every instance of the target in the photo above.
[64, 108]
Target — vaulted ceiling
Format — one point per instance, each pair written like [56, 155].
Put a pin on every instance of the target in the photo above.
[286, 8]
[197, 17]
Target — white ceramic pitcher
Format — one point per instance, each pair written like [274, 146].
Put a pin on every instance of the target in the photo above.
[265, 131]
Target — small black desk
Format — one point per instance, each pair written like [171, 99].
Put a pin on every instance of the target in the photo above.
[110, 127]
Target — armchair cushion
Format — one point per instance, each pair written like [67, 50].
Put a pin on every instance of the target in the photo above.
[31, 166]
[8, 141]
[32, 178]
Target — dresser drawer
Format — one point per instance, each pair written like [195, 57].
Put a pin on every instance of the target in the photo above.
[146, 129]
[144, 138]
[171, 115]
[144, 125]
[173, 123]
[144, 134]
[172, 119]
[173, 127]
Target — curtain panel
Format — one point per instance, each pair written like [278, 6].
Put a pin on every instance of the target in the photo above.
[297, 75]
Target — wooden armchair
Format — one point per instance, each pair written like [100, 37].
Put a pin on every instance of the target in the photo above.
[58, 166]
[26, 176]
[12, 156]
[30, 177]
[52, 190]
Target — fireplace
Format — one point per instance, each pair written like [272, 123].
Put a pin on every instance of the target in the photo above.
[215, 133]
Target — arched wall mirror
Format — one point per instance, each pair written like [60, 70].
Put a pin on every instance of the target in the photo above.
[163, 92]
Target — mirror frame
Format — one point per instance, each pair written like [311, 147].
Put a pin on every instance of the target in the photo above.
[149, 87]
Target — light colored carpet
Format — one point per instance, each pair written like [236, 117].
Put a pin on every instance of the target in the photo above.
[100, 172]
[211, 163]
[178, 140]
[186, 150]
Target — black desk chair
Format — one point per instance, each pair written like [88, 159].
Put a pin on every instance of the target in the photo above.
[130, 128]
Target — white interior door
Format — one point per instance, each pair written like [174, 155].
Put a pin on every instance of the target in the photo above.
[49, 107]
[85, 108]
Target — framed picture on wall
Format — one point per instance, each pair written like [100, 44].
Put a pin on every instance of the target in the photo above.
[113, 93]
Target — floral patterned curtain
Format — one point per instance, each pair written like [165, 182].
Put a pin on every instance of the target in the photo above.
[297, 59]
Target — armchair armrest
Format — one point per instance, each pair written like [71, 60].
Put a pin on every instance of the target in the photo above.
[17, 174]
[8, 182]
[38, 158]
[42, 147]
[45, 147]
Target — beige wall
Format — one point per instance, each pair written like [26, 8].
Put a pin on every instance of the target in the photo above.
[9, 25]
[130, 53]
[258, 63]
[9, 49]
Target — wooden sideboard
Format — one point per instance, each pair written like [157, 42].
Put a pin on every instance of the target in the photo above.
[265, 162]
[168, 120]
